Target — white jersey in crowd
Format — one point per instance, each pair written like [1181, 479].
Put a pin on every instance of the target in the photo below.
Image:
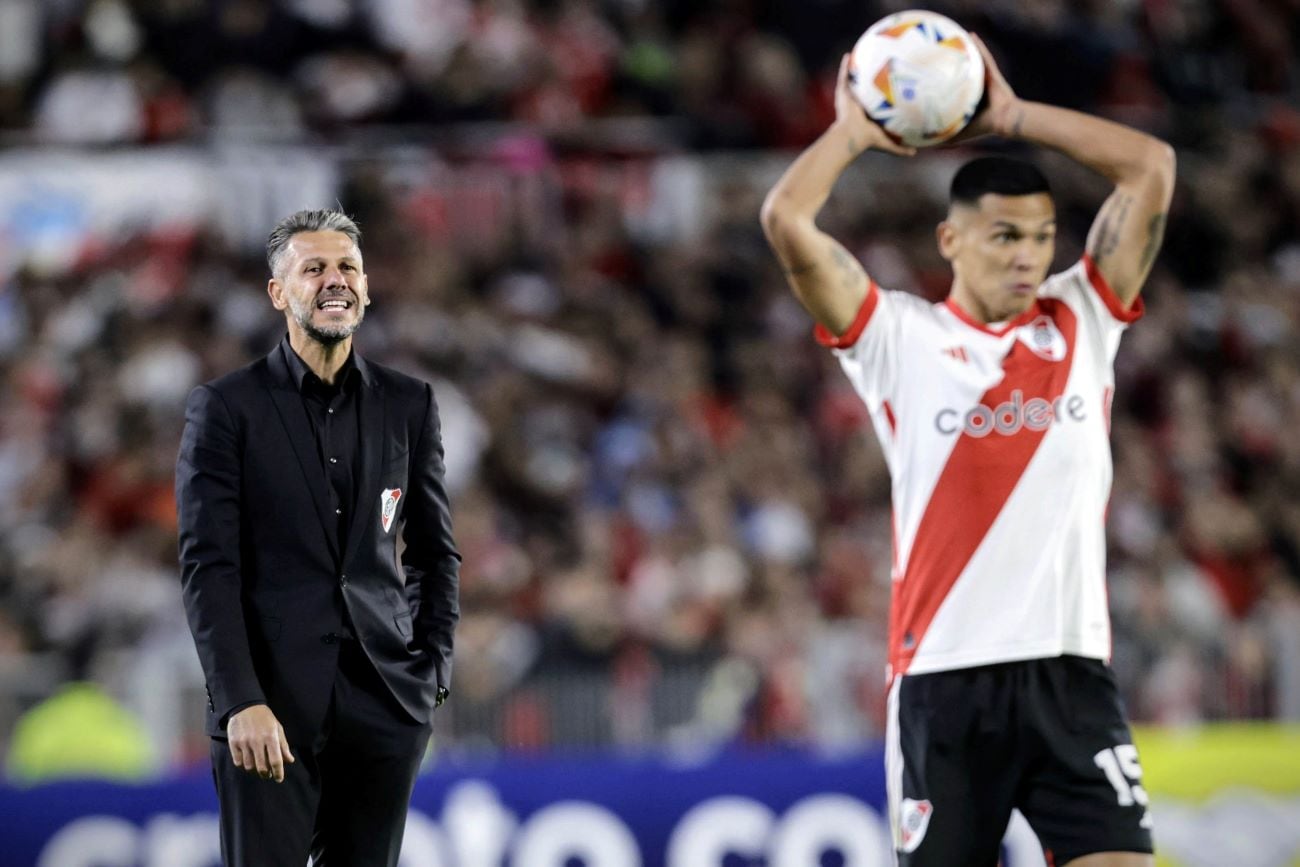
[997, 440]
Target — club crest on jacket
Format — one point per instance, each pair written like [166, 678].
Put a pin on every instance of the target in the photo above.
[388, 506]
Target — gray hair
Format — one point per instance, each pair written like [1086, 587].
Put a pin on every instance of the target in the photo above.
[307, 221]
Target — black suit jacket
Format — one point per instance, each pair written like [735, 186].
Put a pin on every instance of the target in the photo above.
[265, 584]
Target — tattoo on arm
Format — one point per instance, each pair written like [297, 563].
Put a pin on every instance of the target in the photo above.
[1111, 228]
[847, 265]
[800, 269]
[1155, 234]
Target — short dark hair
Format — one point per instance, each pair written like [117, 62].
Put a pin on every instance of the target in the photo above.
[323, 220]
[1000, 175]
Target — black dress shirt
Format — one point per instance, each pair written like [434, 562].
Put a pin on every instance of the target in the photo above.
[332, 412]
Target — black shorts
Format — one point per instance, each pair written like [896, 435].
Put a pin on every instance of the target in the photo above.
[1045, 736]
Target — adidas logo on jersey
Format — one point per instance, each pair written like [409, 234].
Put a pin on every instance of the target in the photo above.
[1011, 416]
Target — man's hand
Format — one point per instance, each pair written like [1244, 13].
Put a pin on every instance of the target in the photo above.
[257, 742]
[1127, 232]
[1002, 113]
[862, 132]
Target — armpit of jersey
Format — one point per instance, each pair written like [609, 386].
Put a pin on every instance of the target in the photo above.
[850, 337]
[1108, 297]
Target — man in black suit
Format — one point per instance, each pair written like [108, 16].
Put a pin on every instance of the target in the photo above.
[325, 652]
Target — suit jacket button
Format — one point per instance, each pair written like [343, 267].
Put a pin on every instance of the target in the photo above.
[343, 580]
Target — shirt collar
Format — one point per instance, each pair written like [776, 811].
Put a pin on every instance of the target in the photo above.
[299, 371]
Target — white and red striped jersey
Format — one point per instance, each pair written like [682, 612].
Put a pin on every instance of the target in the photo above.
[997, 440]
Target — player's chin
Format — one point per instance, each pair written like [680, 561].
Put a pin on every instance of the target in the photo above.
[332, 332]
[1020, 297]
[1013, 306]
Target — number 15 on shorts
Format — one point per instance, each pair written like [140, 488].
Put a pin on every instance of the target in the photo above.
[1124, 773]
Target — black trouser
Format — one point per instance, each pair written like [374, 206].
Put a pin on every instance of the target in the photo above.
[344, 800]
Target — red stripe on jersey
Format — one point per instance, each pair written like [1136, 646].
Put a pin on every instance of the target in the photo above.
[889, 417]
[1130, 313]
[850, 337]
[972, 490]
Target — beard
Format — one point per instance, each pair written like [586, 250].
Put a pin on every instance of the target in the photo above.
[326, 335]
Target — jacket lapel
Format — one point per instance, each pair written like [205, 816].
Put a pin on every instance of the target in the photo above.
[293, 416]
[373, 433]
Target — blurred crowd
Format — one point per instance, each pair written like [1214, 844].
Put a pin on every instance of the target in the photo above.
[731, 73]
[673, 517]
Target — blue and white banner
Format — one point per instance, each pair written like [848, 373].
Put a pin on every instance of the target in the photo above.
[779, 809]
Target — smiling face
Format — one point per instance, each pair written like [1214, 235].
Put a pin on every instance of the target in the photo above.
[320, 286]
[1000, 252]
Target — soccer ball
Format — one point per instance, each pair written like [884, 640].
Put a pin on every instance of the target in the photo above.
[919, 75]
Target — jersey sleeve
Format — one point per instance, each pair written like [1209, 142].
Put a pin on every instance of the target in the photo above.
[1085, 289]
[868, 350]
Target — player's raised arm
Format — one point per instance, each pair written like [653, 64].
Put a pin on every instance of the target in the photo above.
[1127, 232]
[825, 277]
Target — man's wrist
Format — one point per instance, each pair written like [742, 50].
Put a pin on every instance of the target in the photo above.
[225, 720]
[1009, 121]
[848, 139]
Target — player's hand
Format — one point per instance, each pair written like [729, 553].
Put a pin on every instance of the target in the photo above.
[1002, 108]
[257, 742]
[852, 119]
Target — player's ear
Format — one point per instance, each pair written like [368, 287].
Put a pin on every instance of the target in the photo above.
[949, 239]
[276, 290]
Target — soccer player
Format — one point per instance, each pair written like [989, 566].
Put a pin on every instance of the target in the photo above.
[992, 409]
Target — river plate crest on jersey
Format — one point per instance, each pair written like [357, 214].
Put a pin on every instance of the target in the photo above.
[1043, 338]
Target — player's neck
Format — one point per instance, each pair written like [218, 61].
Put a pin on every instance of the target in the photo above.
[977, 311]
[971, 305]
[323, 359]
